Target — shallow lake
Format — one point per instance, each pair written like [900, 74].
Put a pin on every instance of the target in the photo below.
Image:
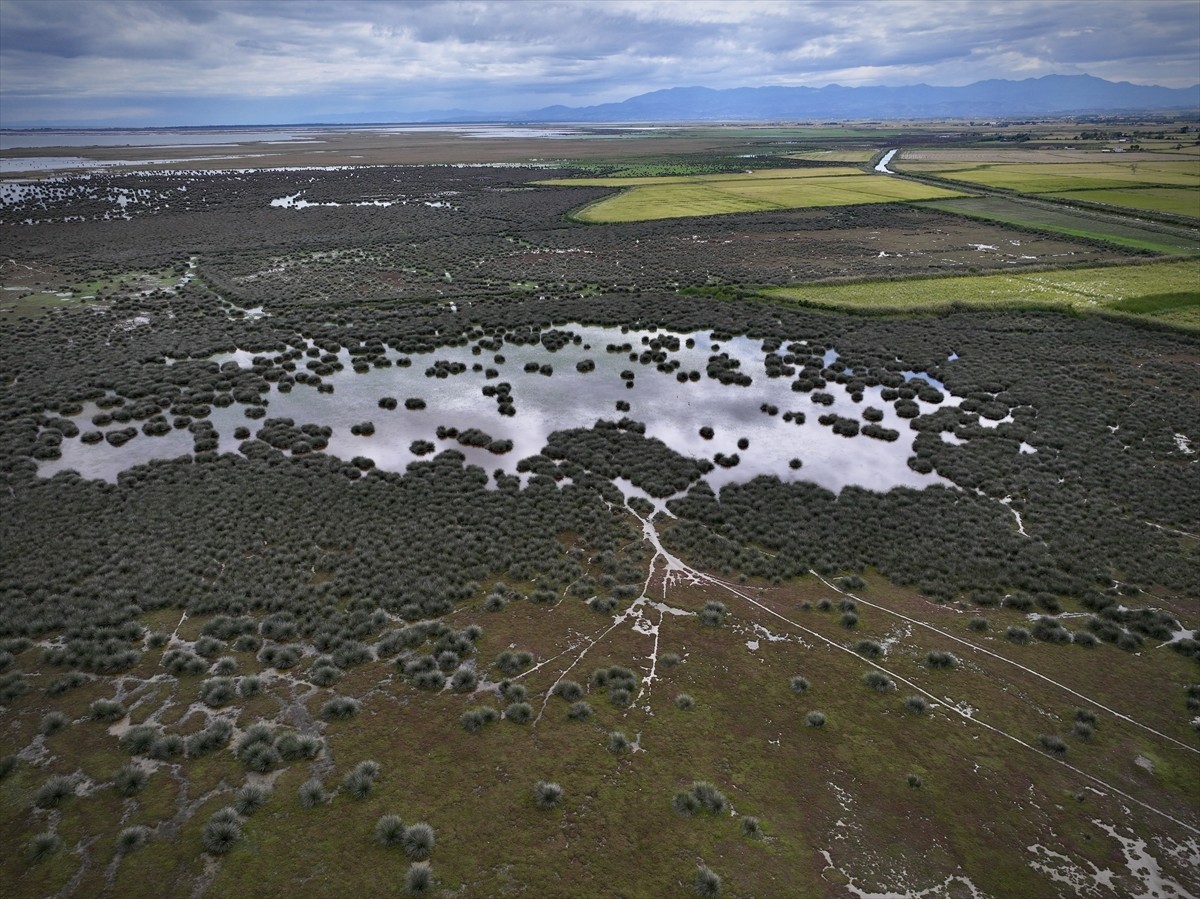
[673, 411]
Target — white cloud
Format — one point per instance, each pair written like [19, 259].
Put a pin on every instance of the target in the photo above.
[494, 55]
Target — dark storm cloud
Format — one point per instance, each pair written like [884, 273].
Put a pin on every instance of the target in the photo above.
[68, 59]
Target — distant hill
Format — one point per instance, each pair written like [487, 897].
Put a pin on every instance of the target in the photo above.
[996, 98]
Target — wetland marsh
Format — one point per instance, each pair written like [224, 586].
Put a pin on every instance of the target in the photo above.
[415, 534]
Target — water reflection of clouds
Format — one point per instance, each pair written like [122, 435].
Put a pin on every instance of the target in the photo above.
[673, 412]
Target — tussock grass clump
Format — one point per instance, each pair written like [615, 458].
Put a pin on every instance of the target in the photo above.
[798, 684]
[940, 658]
[419, 879]
[579, 711]
[868, 648]
[751, 827]
[1053, 744]
[340, 708]
[685, 701]
[702, 796]
[815, 719]
[978, 624]
[52, 723]
[513, 663]
[130, 779]
[707, 882]
[915, 781]
[877, 680]
[359, 782]
[476, 719]
[568, 690]
[547, 795]
[418, 841]
[54, 792]
[669, 659]
[249, 799]
[213, 737]
[519, 713]
[220, 836]
[918, 705]
[1018, 635]
[312, 793]
[389, 830]
[132, 838]
[43, 846]
[618, 742]
[107, 710]
[713, 613]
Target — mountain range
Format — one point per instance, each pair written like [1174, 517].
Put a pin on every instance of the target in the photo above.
[992, 99]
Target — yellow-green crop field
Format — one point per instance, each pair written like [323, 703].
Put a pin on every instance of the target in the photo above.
[1167, 291]
[1153, 186]
[646, 199]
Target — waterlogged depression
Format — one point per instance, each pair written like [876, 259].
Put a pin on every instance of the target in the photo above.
[765, 424]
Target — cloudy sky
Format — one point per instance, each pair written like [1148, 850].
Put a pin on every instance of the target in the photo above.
[167, 62]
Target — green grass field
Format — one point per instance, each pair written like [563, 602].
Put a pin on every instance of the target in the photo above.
[1149, 185]
[1166, 291]
[1072, 222]
[646, 199]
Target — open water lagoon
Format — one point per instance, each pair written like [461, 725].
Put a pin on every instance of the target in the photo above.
[566, 377]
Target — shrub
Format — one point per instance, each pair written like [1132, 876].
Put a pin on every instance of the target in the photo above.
[914, 781]
[8, 764]
[1018, 635]
[44, 845]
[1083, 730]
[978, 624]
[132, 838]
[916, 704]
[668, 659]
[389, 830]
[547, 795]
[418, 841]
[815, 719]
[685, 702]
[519, 713]
[798, 684]
[419, 878]
[849, 620]
[707, 883]
[220, 836]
